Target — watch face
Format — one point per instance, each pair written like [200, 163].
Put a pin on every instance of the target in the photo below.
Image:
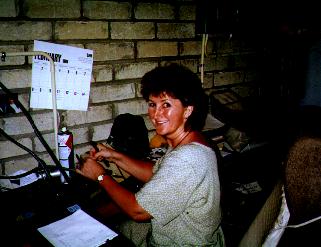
[100, 178]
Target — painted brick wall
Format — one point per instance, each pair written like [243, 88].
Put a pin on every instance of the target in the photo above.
[128, 40]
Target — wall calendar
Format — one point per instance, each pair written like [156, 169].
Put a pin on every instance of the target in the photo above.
[73, 68]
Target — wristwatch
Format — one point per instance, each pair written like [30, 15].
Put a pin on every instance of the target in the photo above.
[100, 177]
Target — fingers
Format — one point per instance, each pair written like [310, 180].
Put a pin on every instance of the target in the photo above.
[101, 146]
[90, 169]
[103, 153]
[78, 170]
[94, 144]
[92, 152]
[97, 147]
[88, 166]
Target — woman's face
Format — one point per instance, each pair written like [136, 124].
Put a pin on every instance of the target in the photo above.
[168, 115]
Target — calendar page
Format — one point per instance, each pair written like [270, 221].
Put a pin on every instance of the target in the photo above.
[73, 68]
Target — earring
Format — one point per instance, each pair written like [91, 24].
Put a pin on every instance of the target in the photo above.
[187, 113]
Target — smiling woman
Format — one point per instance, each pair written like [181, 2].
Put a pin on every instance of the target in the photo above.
[179, 203]
[179, 83]
[169, 117]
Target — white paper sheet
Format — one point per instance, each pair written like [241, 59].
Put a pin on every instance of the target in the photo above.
[77, 230]
[73, 68]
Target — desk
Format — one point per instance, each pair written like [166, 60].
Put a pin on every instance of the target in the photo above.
[24, 210]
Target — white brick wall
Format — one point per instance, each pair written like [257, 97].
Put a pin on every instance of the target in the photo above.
[16, 78]
[9, 149]
[112, 92]
[19, 60]
[25, 30]
[8, 8]
[93, 114]
[154, 11]
[19, 124]
[127, 42]
[106, 10]
[81, 30]
[132, 30]
[112, 50]
[52, 8]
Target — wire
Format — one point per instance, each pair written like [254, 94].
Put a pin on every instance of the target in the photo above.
[41, 162]
[304, 223]
[53, 84]
[121, 174]
[299, 225]
[38, 134]
[34, 170]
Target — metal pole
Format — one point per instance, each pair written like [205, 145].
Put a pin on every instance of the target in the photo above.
[203, 52]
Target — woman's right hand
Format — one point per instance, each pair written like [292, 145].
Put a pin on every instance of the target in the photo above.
[91, 169]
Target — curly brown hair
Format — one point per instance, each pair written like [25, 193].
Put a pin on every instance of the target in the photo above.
[180, 83]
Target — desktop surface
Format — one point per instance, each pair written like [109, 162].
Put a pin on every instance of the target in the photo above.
[25, 209]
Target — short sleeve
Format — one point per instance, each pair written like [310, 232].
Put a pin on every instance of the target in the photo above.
[166, 195]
